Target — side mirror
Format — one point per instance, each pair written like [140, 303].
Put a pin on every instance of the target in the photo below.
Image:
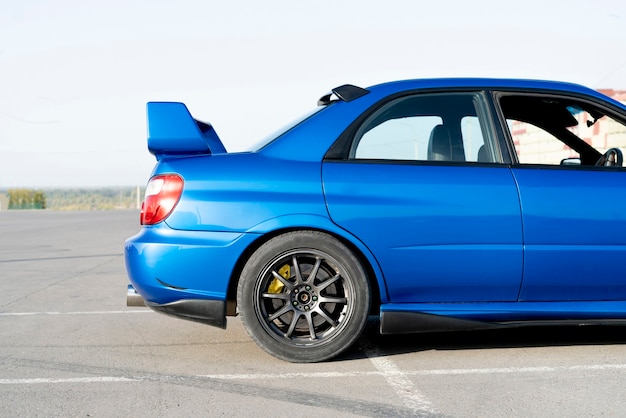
[571, 161]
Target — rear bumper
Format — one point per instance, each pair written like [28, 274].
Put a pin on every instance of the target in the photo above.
[184, 274]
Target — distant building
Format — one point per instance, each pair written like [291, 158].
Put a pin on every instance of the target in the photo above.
[619, 95]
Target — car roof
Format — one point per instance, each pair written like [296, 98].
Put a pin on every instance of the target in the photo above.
[486, 83]
[325, 126]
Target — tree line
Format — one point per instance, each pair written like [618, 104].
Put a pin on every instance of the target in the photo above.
[26, 199]
[104, 198]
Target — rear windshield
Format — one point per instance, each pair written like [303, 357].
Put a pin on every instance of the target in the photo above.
[276, 134]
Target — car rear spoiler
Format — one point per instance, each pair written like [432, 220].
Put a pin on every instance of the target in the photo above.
[172, 131]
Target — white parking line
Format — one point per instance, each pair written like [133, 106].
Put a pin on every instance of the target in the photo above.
[388, 371]
[411, 396]
[434, 372]
[75, 313]
[105, 379]
[505, 370]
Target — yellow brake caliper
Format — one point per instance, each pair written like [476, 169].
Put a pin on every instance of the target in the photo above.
[277, 286]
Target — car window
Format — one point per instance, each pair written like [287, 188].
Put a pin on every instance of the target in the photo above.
[560, 131]
[398, 139]
[426, 127]
[602, 132]
[473, 140]
[534, 145]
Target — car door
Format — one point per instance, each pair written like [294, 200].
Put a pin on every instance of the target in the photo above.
[574, 211]
[424, 188]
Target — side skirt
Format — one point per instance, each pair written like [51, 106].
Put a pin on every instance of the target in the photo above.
[415, 322]
[411, 322]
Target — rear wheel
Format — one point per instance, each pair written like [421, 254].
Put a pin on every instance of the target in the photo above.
[303, 297]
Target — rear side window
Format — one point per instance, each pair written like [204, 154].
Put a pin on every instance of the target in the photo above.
[426, 127]
[403, 138]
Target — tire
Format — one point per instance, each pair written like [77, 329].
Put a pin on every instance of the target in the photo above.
[304, 297]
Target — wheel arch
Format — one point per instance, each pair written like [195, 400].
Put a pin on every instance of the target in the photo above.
[360, 251]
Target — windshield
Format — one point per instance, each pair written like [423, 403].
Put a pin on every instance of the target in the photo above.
[286, 128]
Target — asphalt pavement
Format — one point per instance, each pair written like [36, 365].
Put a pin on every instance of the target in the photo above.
[69, 347]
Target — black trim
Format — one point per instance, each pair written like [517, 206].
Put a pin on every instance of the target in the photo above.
[210, 312]
[171, 286]
[424, 162]
[348, 92]
[416, 322]
[340, 150]
[345, 93]
[413, 322]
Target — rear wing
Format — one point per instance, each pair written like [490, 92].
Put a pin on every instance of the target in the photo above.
[172, 131]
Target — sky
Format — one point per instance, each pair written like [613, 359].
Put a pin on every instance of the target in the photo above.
[75, 75]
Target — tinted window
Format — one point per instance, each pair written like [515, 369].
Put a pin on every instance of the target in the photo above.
[426, 127]
[555, 130]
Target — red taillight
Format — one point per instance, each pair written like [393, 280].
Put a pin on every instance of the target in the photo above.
[162, 194]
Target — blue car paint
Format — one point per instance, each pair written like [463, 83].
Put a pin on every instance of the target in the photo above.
[218, 198]
[574, 227]
[166, 265]
[230, 201]
[224, 216]
[172, 130]
[433, 228]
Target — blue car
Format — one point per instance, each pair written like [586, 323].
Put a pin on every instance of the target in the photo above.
[434, 204]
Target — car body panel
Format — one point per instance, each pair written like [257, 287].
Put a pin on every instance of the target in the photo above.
[574, 228]
[433, 228]
[236, 192]
[166, 265]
